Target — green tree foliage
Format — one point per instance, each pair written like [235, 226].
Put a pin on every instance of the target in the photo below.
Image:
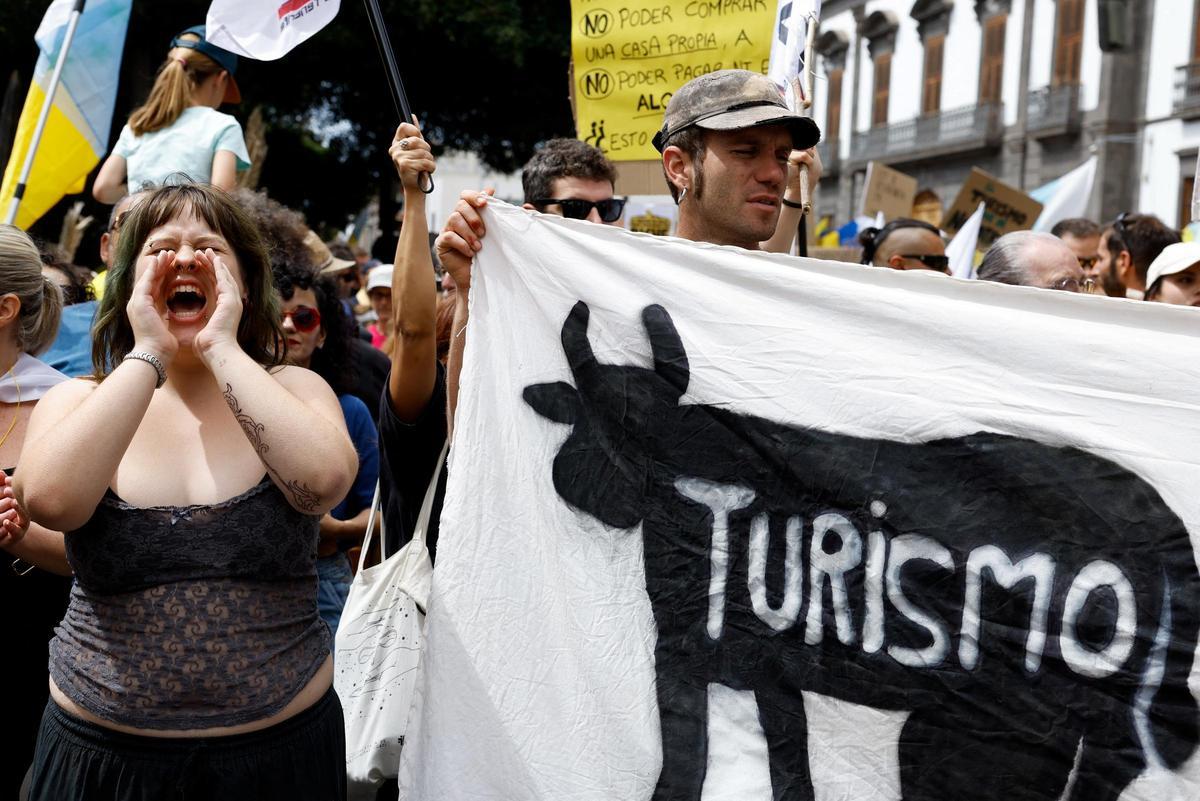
[488, 77]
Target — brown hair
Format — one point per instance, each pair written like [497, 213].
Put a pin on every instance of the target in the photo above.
[21, 275]
[258, 333]
[1143, 235]
[183, 71]
[564, 158]
[691, 141]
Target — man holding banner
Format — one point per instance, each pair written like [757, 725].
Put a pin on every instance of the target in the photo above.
[763, 532]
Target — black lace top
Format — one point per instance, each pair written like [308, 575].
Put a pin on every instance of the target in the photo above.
[191, 617]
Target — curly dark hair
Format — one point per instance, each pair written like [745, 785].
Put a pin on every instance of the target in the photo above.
[564, 158]
[282, 229]
[292, 267]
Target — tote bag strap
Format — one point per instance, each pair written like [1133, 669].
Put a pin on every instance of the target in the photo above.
[419, 534]
[427, 506]
[366, 546]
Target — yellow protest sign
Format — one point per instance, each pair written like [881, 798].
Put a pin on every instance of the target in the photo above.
[631, 56]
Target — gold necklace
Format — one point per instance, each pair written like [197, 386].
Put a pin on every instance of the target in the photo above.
[17, 412]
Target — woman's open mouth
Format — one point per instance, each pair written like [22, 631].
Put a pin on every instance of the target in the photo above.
[186, 302]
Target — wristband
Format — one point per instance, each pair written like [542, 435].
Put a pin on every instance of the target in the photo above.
[791, 203]
[152, 360]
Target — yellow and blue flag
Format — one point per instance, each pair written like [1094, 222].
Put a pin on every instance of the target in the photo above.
[77, 130]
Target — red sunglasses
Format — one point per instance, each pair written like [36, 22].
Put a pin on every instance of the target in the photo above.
[305, 318]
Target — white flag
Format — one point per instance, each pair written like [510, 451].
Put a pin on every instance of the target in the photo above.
[266, 29]
[792, 18]
[1066, 196]
[775, 528]
[962, 247]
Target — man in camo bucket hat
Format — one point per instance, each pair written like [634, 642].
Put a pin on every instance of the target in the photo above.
[725, 139]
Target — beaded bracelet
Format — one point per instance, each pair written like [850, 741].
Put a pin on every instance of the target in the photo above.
[152, 360]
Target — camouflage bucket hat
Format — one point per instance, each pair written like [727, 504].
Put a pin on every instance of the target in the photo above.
[727, 100]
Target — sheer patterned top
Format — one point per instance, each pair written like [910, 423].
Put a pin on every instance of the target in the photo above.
[189, 617]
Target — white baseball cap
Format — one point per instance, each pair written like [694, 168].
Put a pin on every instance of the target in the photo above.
[1173, 259]
[380, 277]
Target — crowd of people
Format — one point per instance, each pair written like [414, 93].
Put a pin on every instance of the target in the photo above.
[184, 489]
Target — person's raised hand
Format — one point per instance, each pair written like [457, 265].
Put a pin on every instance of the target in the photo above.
[147, 309]
[462, 236]
[222, 326]
[411, 155]
[14, 522]
[797, 159]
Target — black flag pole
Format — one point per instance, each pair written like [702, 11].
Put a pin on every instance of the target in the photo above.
[399, 98]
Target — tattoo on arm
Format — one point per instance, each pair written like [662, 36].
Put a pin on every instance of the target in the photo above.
[305, 499]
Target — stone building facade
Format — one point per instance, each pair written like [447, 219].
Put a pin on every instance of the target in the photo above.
[1020, 88]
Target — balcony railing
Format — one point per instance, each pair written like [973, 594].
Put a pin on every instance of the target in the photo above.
[1187, 90]
[945, 133]
[831, 160]
[1054, 110]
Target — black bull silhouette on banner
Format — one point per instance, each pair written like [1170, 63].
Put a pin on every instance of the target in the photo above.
[1033, 608]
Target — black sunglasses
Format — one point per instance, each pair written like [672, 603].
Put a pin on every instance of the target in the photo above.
[941, 263]
[1119, 228]
[576, 209]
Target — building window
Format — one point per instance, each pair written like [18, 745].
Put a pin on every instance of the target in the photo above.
[832, 45]
[1187, 186]
[833, 120]
[883, 79]
[879, 29]
[931, 89]
[1068, 42]
[991, 73]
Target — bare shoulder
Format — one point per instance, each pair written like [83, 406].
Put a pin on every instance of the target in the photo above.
[69, 392]
[59, 401]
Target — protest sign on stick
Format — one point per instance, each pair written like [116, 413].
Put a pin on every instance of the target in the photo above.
[764, 530]
[629, 59]
[1007, 208]
[889, 191]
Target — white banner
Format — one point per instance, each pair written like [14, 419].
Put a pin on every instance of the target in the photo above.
[724, 525]
[266, 29]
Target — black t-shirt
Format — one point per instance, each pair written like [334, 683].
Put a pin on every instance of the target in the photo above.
[407, 456]
[371, 368]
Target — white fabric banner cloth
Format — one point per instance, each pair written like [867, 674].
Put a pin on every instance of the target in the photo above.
[266, 29]
[721, 522]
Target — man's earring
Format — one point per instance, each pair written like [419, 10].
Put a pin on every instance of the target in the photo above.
[682, 195]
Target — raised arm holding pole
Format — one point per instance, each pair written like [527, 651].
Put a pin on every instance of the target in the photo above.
[399, 97]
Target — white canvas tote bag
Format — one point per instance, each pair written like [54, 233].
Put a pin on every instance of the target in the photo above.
[377, 648]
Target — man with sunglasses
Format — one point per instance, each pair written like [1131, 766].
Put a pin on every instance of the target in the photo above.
[1127, 247]
[1082, 236]
[572, 179]
[905, 244]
